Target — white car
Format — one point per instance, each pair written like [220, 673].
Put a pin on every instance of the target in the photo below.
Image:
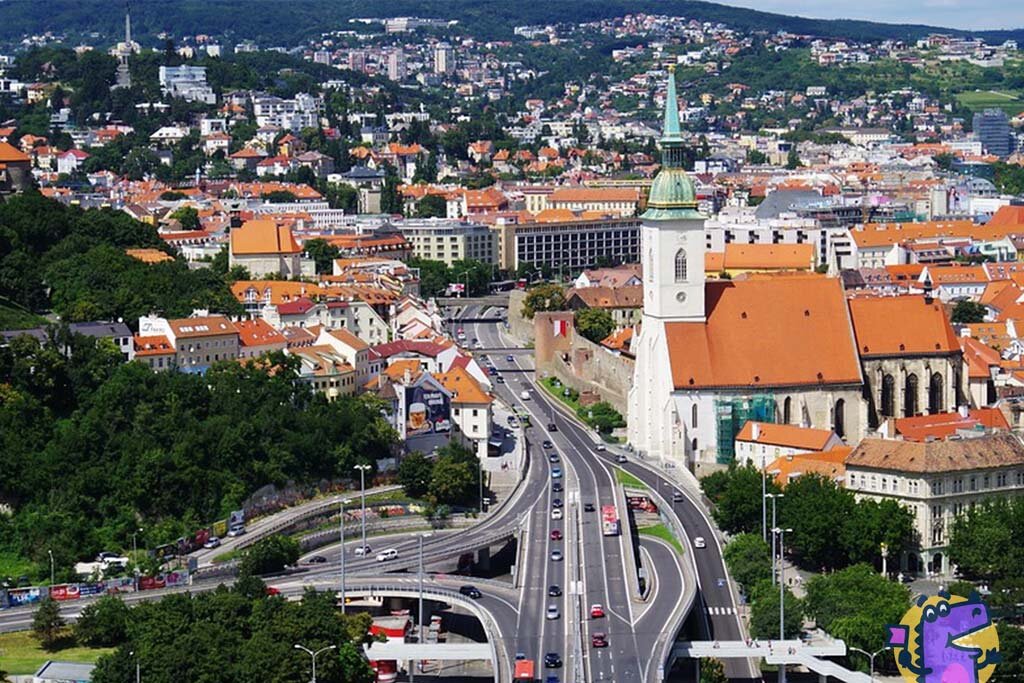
[553, 612]
[699, 542]
[211, 543]
[363, 550]
[236, 531]
[386, 555]
[556, 513]
[556, 555]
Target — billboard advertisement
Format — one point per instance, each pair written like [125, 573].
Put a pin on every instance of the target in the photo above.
[24, 596]
[427, 411]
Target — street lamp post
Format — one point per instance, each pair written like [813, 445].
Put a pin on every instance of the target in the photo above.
[50, 553]
[764, 506]
[871, 659]
[362, 492]
[419, 615]
[341, 532]
[138, 666]
[782, 594]
[135, 558]
[314, 655]
[773, 496]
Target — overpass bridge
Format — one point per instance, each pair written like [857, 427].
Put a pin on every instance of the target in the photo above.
[792, 652]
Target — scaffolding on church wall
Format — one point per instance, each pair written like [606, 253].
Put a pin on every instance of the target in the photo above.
[732, 413]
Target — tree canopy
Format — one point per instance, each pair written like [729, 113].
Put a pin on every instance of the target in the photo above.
[594, 323]
[544, 297]
[987, 542]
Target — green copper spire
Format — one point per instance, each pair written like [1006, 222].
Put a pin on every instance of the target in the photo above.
[672, 195]
[670, 136]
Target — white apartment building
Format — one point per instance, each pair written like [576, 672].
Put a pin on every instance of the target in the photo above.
[443, 239]
[303, 111]
[444, 59]
[187, 82]
[569, 245]
[937, 481]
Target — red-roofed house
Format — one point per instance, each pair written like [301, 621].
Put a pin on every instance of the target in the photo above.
[256, 337]
[264, 247]
[70, 161]
[762, 442]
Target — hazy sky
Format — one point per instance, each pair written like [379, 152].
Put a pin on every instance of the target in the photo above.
[964, 14]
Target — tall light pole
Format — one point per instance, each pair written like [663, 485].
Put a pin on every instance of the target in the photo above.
[764, 505]
[313, 655]
[362, 493]
[50, 553]
[871, 659]
[138, 666]
[135, 558]
[341, 532]
[782, 595]
[419, 614]
[773, 496]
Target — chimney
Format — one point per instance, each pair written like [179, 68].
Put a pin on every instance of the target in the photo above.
[755, 431]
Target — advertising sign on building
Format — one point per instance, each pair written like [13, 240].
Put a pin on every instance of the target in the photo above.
[428, 411]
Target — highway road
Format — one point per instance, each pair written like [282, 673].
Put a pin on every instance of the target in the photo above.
[632, 629]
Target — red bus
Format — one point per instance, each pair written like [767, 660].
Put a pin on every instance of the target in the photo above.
[524, 670]
[609, 520]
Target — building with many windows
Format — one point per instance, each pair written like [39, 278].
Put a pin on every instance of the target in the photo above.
[938, 481]
[992, 128]
[443, 239]
[570, 245]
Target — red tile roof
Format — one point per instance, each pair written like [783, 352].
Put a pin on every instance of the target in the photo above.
[901, 325]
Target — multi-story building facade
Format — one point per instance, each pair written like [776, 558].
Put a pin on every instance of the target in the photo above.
[569, 245]
[938, 481]
[992, 128]
[198, 341]
[300, 112]
[442, 239]
[187, 82]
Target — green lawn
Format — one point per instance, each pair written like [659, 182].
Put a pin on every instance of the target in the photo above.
[628, 480]
[14, 317]
[661, 531]
[1008, 100]
[20, 653]
[14, 566]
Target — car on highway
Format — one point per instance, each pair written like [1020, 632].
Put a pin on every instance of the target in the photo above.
[499, 379]
[600, 448]
[211, 543]
[556, 535]
[588, 507]
[699, 542]
[552, 660]
[491, 370]
[553, 612]
[556, 555]
[556, 472]
[596, 611]
[556, 487]
[620, 458]
[236, 531]
[599, 639]
[471, 591]
[552, 679]
[552, 427]
[548, 444]
[363, 551]
[387, 555]
[557, 503]
[556, 513]
[554, 591]
[317, 559]
[677, 496]
[524, 395]
[552, 457]
[509, 358]
[513, 421]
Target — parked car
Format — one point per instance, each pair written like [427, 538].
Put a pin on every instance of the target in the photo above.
[387, 555]
[471, 591]
[236, 531]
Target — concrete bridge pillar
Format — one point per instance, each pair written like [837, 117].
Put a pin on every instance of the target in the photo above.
[483, 559]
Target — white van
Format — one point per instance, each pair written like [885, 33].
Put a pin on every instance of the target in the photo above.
[385, 555]
[525, 395]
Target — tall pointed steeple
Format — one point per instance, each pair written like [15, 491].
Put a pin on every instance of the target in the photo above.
[672, 194]
[127, 24]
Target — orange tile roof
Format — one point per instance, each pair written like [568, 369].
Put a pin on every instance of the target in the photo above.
[766, 332]
[11, 154]
[281, 291]
[829, 464]
[396, 370]
[1000, 294]
[1010, 216]
[619, 340]
[942, 425]
[258, 332]
[901, 325]
[349, 339]
[882, 234]
[789, 436]
[956, 274]
[157, 345]
[555, 216]
[149, 255]
[201, 326]
[714, 261]
[769, 256]
[980, 358]
[263, 236]
[463, 386]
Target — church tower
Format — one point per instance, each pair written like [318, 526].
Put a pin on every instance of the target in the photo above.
[672, 234]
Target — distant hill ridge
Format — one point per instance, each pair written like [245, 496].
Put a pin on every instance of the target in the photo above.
[287, 22]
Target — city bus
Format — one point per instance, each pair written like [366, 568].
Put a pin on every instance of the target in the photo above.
[609, 520]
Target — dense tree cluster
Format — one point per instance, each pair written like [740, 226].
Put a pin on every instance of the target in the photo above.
[233, 635]
[831, 529]
[594, 323]
[451, 478]
[987, 542]
[74, 261]
[93, 448]
[435, 276]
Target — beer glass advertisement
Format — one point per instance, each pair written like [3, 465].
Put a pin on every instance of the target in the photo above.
[427, 411]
